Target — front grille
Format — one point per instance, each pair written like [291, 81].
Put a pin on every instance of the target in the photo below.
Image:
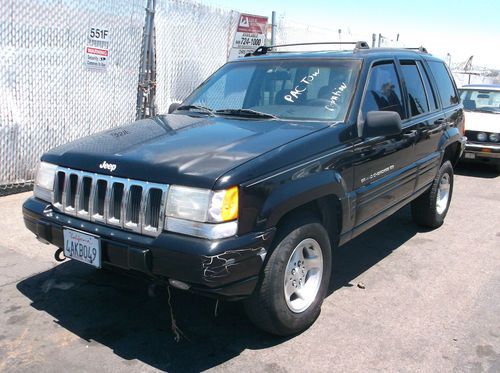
[133, 205]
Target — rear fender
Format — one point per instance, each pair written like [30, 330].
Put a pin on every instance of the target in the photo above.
[451, 136]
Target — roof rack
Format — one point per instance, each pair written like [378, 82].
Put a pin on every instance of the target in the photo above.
[263, 49]
[420, 49]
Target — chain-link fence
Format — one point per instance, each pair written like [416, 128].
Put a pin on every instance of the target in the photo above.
[289, 31]
[48, 95]
[192, 41]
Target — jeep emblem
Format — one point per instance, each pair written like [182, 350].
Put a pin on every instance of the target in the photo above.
[108, 166]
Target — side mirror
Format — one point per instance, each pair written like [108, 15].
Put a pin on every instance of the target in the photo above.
[382, 123]
[173, 106]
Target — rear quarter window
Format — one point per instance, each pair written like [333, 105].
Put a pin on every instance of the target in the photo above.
[444, 82]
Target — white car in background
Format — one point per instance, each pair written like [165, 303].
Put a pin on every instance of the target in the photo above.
[482, 123]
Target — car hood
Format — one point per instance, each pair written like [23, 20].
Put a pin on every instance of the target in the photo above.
[178, 149]
[484, 122]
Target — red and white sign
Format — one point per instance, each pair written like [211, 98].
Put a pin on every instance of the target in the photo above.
[251, 23]
[96, 58]
[250, 34]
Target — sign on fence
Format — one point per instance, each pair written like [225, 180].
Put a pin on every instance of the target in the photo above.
[97, 49]
[250, 34]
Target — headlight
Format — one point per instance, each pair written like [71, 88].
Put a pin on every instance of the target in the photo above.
[44, 181]
[494, 137]
[481, 136]
[202, 212]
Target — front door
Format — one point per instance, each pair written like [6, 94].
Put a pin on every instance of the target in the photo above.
[385, 171]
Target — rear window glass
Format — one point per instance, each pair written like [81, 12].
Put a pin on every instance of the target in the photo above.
[415, 88]
[428, 88]
[445, 86]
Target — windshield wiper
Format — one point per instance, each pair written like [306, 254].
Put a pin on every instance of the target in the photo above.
[199, 108]
[249, 113]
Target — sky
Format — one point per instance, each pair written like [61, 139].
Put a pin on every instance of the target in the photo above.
[460, 28]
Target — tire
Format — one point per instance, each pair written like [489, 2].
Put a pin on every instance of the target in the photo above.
[430, 209]
[268, 308]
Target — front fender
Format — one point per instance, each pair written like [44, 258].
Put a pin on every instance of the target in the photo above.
[300, 191]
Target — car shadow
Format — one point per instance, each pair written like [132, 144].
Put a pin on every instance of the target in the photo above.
[121, 312]
[369, 248]
[482, 170]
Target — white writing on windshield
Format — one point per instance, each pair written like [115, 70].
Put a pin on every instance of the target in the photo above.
[301, 88]
[332, 106]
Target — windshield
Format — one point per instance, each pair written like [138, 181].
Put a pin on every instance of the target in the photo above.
[278, 89]
[480, 100]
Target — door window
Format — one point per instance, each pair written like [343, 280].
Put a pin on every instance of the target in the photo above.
[415, 88]
[383, 92]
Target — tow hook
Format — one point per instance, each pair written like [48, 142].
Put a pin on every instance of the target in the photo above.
[59, 255]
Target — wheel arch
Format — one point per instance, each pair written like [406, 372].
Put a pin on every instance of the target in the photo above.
[451, 145]
[322, 194]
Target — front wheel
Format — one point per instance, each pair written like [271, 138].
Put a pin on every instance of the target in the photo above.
[294, 281]
[430, 209]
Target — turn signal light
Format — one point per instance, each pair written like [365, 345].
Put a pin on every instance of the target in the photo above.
[230, 205]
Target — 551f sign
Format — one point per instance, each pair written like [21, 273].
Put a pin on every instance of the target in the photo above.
[99, 34]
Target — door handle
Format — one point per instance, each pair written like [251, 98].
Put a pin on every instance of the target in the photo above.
[440, 121]
[410, 134]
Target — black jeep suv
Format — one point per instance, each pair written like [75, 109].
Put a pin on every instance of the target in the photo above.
[243, 190]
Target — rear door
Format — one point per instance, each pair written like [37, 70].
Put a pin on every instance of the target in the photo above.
[385, 166]
[425, 118]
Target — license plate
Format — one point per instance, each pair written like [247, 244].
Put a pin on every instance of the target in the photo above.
[83, 247]
[469, 155]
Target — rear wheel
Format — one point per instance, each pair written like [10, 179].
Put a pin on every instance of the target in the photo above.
[295, 279]
[430, 209]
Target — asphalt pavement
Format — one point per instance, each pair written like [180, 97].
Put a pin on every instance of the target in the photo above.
[427, 301]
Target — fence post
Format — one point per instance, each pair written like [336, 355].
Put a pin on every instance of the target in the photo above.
[147, 73]
[273, 27]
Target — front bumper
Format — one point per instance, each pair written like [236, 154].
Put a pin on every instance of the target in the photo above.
[226, 269]
[488, 153]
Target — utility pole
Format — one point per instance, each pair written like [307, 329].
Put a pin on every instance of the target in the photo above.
[147, 74]
[374, 40]
[273, 27]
